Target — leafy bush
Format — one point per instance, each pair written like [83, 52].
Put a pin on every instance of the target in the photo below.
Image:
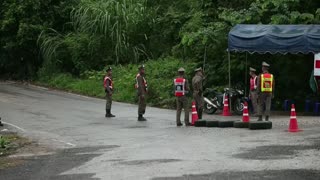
[159, 74]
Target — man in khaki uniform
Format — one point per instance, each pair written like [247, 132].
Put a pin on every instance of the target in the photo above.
[265, 91]
[108, 88]
[253, 90]
[181, 88]
[142, 90]
[198, 91]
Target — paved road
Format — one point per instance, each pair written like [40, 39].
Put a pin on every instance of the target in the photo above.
[81, 144]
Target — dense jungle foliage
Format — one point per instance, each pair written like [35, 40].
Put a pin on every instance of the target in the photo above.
[43, 40]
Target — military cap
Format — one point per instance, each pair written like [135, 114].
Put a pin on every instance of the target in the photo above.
[141, 66]
[265, 64]
[198, 69]
[252, 69]
[181, 69]
[109, 69]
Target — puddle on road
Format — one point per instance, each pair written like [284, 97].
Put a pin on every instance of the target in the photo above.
[277, 151]
[51, 166]
[289, 174]
[151, 161]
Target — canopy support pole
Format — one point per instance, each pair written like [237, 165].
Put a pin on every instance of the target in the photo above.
[229, 69]
[230, 105]
[246, 75]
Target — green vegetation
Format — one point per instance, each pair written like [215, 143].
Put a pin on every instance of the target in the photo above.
[9, 143]
[160, 74]
[64, 43]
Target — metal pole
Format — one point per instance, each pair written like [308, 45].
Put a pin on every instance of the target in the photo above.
[230, 103]
[246, 75]
[229, 69]
[204, 57]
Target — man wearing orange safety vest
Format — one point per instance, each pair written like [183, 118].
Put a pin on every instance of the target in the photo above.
[265, 89]
[142, 89]
[108, 88]
[253, 90]
[181, 88]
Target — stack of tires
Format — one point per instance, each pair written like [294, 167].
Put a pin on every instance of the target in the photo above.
[252, 125]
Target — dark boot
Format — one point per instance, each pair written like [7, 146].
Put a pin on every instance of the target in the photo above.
[179, 124]
[200, 114]
[141, 118]
[259, 118]
[108, 114]
[267, 118]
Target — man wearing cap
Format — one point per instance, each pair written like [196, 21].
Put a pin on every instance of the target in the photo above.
[265, 91]
[142, 89]
[108, 88]
[253, 90]
[198, 90]
[181, 88]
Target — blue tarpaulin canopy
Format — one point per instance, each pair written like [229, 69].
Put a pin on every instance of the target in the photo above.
[274, 39]
[259, 38]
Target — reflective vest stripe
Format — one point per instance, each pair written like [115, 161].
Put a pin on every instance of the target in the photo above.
[253, 83]
[105, 82]
[179, 84]
[266, 82]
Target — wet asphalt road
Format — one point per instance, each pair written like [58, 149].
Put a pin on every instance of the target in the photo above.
[81, 144]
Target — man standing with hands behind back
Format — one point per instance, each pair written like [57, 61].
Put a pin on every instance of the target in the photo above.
[142, 89]
[253, 90]
[181, 88]
[265, 91]
[198, 90]
[108, 88]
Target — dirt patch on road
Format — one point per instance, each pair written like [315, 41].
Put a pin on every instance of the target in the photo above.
[13, 147]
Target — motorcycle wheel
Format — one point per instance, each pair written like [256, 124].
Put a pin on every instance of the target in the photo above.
[238, 107]
[209, 109]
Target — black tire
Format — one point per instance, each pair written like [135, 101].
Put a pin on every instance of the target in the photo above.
[212, 124]
[209, 109]
[255, 125]
[238, 107]
[241, 124]
[225, 124]
[200, 123]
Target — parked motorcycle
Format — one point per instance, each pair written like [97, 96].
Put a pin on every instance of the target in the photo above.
[213, 100]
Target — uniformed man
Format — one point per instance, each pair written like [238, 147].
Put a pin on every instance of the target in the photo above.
[253, 90]
[198, 91]
[181, 88]
[108, 88]
[265, 91]
[142, 90]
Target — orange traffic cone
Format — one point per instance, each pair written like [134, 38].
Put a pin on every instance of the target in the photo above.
[293, 125]
[194, 114]
[226, 111]
[245, 114]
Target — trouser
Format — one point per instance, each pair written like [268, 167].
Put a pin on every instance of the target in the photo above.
[199, 103]
[182, 102]
[264, 100]
[254, 100]
[108, 101]
[142, 105]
